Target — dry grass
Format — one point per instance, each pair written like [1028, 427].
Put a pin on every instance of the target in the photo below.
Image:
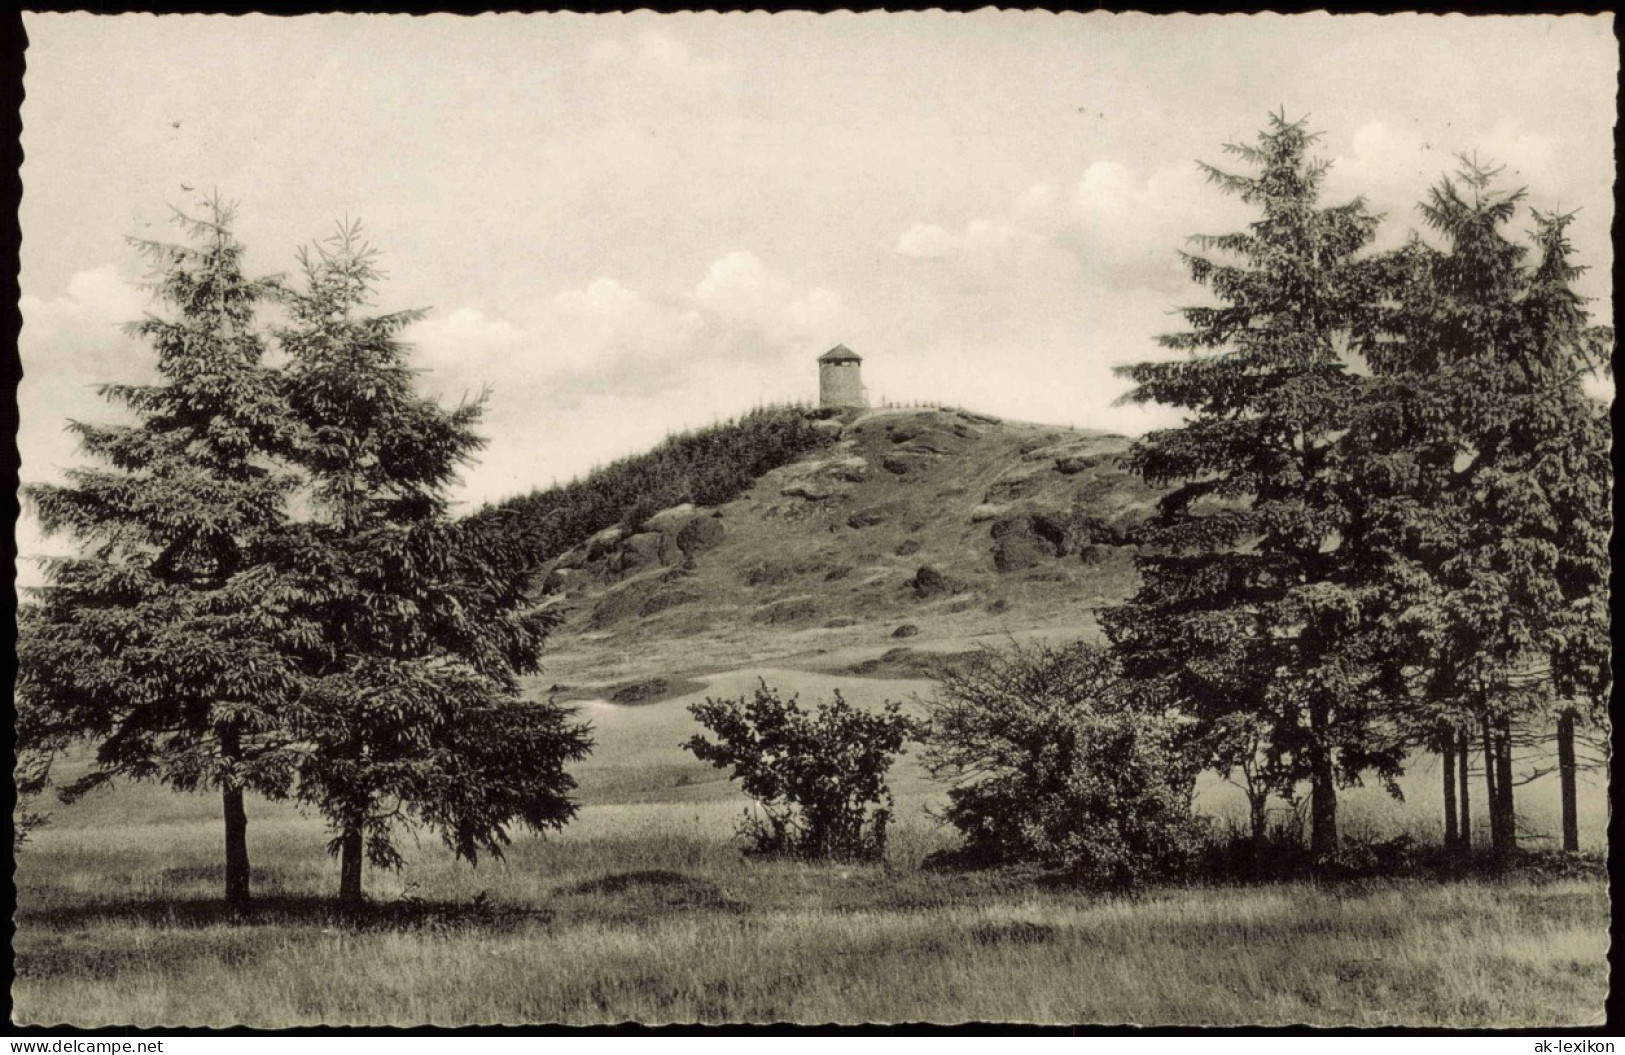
[645, 910]
[648, 913]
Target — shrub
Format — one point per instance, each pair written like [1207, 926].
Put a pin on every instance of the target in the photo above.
[1274, 851]
[1055, 761]
[819, 778]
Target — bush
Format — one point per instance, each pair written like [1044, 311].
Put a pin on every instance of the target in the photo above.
[1055, 762]
[1277, 851]
[819, 778]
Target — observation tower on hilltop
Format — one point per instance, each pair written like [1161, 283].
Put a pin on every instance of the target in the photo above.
[840, 378]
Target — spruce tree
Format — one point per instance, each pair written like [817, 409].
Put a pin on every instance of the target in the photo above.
[151, 642]
[415, 627]
[1484, 476]
[1576, 475]
[1249, 605]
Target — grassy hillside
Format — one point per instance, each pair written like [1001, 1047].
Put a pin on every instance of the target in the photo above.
[1019, 528]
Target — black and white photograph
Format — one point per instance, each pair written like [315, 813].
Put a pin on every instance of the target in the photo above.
[793, 519]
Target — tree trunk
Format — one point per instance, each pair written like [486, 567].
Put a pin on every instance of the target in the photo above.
[1491, 799]
[1565, 776]
[1323, 787]
[1447, 760]
[1258, 809]
[1503, 787]
[231, 798]
[1464, 798]
[350, 865]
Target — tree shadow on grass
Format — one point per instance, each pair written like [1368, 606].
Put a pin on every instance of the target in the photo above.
[628, 897]
[286, 910]
[1237, 861]
[645, 896]
[95, 955]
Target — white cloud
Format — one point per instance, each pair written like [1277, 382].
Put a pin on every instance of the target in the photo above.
[1037, 202]
[745, 296]
[1528, 156]
[1392, 168]
[982, 245]
[1124, 229]
[603, 298]
[69, 344]
[1128, 230]
[607, 338]
[467, 327]
[1403, 162]
[1108, 189]
[820, 311]
[739, 281]
[1126, 225]
[624, 366]
[926, 241]
[82, 327]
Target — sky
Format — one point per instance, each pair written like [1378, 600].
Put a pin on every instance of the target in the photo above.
[626, 225]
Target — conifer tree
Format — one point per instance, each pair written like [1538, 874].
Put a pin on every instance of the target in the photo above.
[151, 642]
[1483, 472]
[415, 627]
[1576, 474]
[1248, 603]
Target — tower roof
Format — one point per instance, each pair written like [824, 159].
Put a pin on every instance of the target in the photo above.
[840, 354]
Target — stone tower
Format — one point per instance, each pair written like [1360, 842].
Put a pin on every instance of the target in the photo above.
[840, 382]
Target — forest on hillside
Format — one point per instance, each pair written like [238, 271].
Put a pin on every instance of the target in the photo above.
[707, 467]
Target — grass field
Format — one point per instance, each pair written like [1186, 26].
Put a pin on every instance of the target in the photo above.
[645, 910]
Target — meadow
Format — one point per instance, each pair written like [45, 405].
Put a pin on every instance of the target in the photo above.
[645, 910]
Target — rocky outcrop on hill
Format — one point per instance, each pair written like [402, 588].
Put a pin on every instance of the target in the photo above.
[929, 582]
[1027, 539]
[907, 518]
[668, 539]
[830, 475]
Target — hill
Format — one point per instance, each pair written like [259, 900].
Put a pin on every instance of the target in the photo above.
[897, 541]
[907, 529]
